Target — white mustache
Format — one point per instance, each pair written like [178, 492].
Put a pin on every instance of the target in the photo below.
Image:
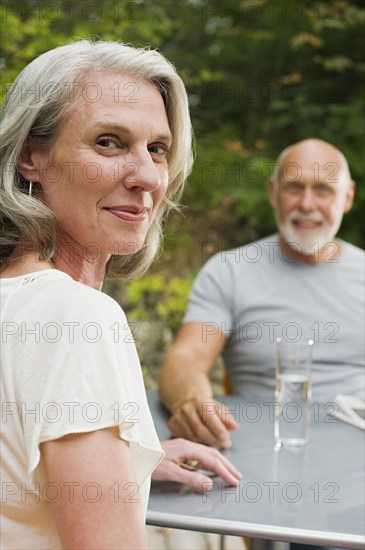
[313, 218]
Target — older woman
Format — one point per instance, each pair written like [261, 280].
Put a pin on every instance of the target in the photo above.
[96, 146]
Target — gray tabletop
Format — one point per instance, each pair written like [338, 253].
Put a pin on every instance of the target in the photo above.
[313, 495]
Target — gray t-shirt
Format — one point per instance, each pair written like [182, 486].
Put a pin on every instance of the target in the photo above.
[255, 293]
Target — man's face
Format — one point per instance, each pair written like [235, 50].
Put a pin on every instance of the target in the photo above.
[310, 197]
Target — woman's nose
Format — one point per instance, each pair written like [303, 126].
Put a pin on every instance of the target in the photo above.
[142, 172]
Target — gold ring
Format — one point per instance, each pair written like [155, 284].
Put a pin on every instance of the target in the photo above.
[191, 464]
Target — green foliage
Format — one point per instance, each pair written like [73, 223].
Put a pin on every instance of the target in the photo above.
[158, 299]
[155, 306]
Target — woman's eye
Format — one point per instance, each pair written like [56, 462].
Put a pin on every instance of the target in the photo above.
[158, 149]
[106, 142]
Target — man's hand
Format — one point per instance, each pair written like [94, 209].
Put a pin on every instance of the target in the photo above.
[179, 453]
[205, 421]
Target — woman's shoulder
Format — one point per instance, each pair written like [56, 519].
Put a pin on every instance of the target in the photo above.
[53, 292]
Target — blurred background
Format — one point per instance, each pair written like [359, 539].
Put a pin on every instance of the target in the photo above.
[260, 75]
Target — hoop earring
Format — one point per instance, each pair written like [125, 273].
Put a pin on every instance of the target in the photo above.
[30, 188]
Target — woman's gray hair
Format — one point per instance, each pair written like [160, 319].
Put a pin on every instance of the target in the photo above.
[37, 103]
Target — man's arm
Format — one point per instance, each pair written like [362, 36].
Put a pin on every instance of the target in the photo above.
[186, 391]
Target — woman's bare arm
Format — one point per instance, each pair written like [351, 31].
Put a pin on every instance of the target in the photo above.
[100, 506]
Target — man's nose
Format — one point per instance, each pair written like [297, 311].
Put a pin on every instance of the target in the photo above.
[307, 201]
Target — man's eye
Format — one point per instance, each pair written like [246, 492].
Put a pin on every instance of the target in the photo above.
[323, 190]
[292, 188]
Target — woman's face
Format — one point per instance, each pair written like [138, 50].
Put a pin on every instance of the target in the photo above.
[108, 171]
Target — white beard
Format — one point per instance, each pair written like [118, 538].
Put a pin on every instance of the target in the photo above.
[316, 238]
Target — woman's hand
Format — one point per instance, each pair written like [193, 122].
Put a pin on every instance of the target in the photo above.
[184, 458]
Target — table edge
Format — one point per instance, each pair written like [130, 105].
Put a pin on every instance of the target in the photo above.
[268, 532]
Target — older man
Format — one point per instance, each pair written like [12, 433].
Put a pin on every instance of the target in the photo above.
[299, 284]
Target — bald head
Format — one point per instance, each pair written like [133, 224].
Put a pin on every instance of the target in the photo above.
[315, 155]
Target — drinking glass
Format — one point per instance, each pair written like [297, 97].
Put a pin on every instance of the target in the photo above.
[292, 392]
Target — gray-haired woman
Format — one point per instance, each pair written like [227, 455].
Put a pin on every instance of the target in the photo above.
[95, 148]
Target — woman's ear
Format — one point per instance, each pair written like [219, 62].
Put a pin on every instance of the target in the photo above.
[28, 165]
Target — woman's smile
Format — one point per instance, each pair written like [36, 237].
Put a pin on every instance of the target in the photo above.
[130, 213]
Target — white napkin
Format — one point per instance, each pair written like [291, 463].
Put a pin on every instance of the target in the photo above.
[347, 410]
